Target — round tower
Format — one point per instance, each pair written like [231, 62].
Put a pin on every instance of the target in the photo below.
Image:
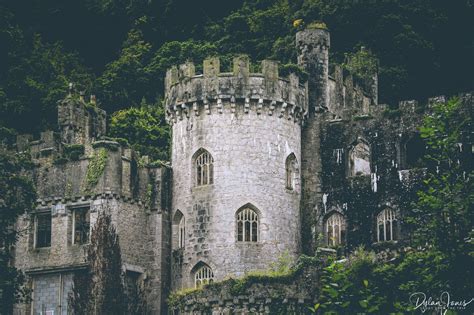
[236, 151]
[313, 55]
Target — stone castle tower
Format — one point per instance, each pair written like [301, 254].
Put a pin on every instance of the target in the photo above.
[262, 165]
[234, 136]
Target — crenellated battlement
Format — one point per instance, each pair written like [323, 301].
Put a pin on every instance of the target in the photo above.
[188, 93]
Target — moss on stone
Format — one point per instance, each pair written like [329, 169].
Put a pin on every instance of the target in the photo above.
[95, 169]
[239, 286]
[286, 69]
[73, 151]
[317, 25]
[392, 113]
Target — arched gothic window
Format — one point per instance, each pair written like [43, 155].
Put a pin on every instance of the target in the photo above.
[204, 168]
[291, 171]
[336, 229]
[181, 233]
[359, 159]
[247, 225]
[387, 226]
[204, 275]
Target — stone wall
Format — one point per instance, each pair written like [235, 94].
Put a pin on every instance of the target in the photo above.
[263, 293]
[249, 140]
[101, 175]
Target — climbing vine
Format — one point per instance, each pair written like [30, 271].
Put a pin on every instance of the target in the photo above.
[95, 169]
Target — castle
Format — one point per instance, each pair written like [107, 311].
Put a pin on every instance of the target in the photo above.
[261, 165]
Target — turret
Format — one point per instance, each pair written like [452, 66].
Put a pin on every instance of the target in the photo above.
[236, 149]
[313, 55]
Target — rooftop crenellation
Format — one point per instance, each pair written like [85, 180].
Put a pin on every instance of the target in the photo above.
[187, 91]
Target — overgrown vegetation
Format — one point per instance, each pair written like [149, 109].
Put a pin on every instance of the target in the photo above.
[95, 169]
[99, 289]
[283, 271]
[439, 258]
[17, 196]
[145, 128]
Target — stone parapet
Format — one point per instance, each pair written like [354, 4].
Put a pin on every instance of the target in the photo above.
[266, 93]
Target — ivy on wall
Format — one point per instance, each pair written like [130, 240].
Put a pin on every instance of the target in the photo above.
[95, 169]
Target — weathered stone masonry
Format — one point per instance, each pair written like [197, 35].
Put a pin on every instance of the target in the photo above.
[135, 193]
[261, 166]
[250, 124]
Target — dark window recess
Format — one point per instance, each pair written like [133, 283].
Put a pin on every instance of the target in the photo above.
[43, 230]
[81, 226]
[414, 150]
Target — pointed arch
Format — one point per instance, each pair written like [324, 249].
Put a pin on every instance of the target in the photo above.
[202, 274]
[203, 167]
[387, 225]
[247, 220]
[292, 171]
[335, 228]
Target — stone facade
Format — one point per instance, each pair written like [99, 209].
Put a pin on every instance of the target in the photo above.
[250, 124]
[135, 193]
[261, 166]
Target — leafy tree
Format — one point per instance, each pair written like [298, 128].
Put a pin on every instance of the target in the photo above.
[17, 195]
[100, 290]
[145, 129]
[126, 80]
[39, 78]
[446, 203]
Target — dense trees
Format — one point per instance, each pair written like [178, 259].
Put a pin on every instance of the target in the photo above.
[17, 196]
[423, 46]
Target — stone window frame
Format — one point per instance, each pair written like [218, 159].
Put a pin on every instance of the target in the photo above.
[179, 230]
[73, 211]
[350, 150]
[389, 220]
[253, 217]
[403, 151]
[42, 212]
[336, 219]
[202, 274]
[203, 168]
[291, 172]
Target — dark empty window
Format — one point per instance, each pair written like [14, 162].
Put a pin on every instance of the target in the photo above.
[81, 226]
[43, 230]
[414, 151]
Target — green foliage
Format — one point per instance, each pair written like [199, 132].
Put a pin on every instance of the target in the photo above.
[73, 151]
[17, 196]
[284, 271]
[95, 169]
[392, 113]
[145, 129]
[446, 203]
[38, 79]
[348, 286]
[361, 63]
[126, 80]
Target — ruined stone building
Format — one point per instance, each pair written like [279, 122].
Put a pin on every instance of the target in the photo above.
[261, 165]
